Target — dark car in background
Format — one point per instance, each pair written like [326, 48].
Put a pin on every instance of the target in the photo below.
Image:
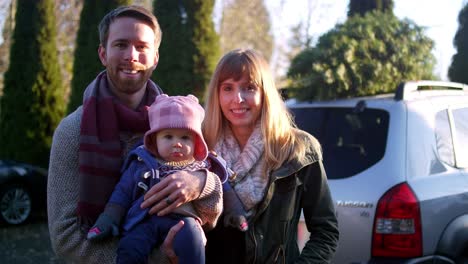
[22, 191]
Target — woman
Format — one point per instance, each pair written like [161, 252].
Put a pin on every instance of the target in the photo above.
[278, 169]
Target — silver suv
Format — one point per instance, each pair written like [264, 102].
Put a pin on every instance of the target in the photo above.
[397, 167]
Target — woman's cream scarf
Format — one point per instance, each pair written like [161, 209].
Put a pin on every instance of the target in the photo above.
[251, 181]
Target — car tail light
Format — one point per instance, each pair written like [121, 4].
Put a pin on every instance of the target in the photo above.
[397, 224]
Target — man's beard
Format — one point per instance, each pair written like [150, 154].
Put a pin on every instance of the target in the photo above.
[130, 86]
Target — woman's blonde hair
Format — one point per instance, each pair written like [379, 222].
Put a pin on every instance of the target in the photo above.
[281, 142]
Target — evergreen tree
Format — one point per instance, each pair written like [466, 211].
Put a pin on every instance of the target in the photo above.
[189, 48]
[246, 24]
[32, 104]
[367, 55]
[361, 7]
[86, 64]
[205, 41]
[458, 68]
[173, 72]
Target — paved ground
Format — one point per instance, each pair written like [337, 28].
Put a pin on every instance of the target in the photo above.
[27, 244]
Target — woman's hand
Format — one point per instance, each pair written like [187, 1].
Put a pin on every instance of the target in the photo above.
[167, 247]
[174, 190]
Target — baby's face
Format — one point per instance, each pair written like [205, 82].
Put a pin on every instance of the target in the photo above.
[175, 144]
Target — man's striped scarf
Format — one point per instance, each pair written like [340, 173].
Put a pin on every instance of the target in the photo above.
[100, 152]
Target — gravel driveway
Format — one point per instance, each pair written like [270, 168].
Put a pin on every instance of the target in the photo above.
[27, 244]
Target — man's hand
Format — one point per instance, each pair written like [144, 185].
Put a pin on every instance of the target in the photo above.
[167, 247]
[174, 190]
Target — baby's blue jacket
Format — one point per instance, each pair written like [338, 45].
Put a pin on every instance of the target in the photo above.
[140, 173]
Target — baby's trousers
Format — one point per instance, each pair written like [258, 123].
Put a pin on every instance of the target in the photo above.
[136, 244]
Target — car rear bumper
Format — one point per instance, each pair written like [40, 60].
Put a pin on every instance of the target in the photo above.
[422, 260]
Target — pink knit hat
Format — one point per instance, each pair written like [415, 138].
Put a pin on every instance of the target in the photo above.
[177, 112]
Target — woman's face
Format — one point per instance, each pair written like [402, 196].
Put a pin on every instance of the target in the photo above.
[241, 102]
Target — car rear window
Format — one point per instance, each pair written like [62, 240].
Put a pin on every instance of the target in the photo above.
[446, 138]
[351, 140]
[460, 118]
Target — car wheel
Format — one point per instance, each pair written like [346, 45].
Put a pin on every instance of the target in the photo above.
[15, 204]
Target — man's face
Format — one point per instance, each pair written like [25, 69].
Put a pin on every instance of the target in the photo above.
[130, 55]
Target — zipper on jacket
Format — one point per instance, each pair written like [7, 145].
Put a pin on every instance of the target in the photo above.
[280, 252]
[252, 234]
[265, 201]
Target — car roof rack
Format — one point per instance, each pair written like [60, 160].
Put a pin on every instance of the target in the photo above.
[406, 89]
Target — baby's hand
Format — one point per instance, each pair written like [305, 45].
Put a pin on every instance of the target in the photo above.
[236, 221]
[104, 227]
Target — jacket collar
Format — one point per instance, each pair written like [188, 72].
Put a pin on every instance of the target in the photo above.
[313, 154]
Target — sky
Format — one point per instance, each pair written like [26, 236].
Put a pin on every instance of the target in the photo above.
[439, 18]
[4, 4]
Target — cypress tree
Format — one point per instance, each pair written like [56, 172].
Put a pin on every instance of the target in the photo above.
[86, 64]
[189, 48]
[173, 72]
[459, 66]
[205, 42]
[361, 7]
[32, 104]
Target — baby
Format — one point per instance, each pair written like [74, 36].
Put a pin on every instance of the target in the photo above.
[174, 142]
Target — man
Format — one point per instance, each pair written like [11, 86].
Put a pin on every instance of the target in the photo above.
[90, 144]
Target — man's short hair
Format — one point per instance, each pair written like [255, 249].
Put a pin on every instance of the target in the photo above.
[133, 11]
